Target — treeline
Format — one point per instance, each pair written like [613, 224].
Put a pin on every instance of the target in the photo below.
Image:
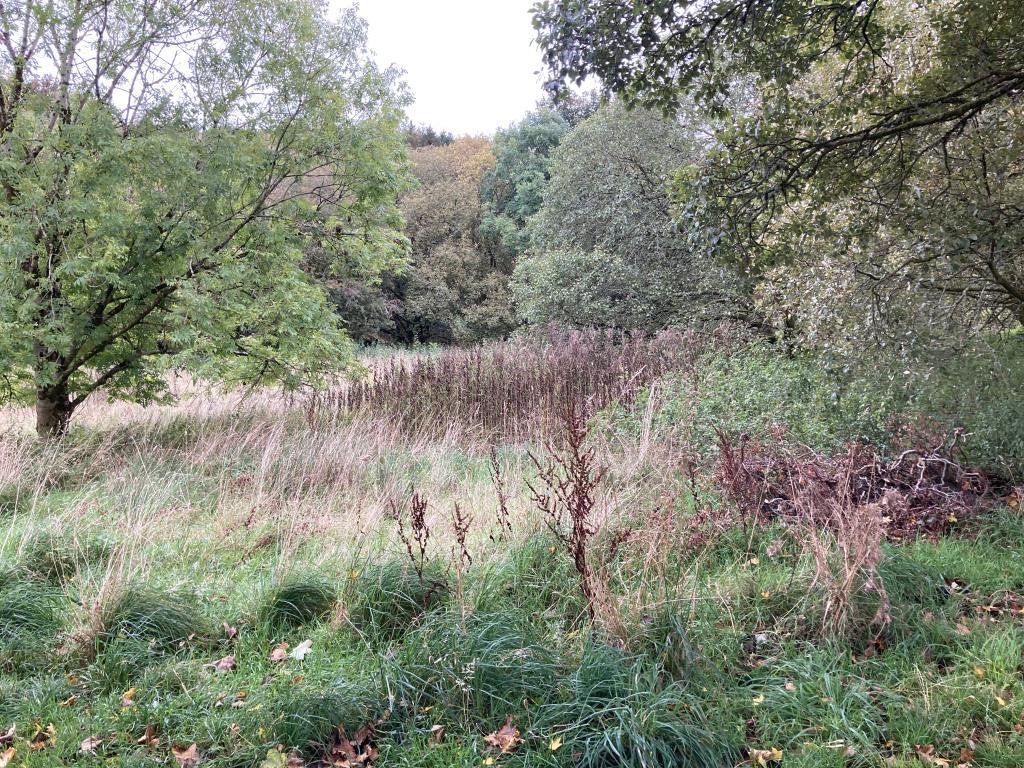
[563, 217]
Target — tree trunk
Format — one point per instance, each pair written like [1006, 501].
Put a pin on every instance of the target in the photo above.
[53, 413]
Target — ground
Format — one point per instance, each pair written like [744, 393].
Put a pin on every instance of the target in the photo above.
[222, 582]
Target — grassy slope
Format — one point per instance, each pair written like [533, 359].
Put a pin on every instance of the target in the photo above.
[125, 552]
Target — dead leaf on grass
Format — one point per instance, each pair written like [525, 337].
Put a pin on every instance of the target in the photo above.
[187, 757]
[506, 738]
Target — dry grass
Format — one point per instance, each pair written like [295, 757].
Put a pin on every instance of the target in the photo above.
[513, 390]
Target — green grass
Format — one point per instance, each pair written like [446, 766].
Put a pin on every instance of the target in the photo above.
[160, 553]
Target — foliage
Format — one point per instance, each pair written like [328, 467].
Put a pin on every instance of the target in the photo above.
[865, 154]
[154, 207]
[454, 289]
[514, 189]
[605, 249]
[427, 136]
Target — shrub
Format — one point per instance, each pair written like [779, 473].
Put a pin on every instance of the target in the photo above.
[754, 389]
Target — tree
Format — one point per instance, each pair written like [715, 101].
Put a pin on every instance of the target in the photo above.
[163, 167]
[426, 136]
[884, 124]
[605, 249]
[454, 290]
[513, 190]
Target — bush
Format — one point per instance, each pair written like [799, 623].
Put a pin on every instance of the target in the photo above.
[756, 388]
[980, 393]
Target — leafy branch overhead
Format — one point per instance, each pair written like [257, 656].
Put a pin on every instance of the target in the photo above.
[864, 151]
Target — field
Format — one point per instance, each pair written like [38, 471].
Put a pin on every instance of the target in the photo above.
[557, 552]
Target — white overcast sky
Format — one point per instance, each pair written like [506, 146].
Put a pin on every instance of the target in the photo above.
[471, 64]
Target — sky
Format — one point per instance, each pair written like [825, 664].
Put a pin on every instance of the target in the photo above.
[471, 64]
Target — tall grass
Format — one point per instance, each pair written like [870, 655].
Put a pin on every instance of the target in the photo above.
[514, 389]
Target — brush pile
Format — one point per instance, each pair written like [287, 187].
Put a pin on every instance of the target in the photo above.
[924, 489]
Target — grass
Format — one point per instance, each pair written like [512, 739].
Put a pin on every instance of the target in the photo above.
[152, 546]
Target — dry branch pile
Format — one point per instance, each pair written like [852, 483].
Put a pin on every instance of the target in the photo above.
[924, 489]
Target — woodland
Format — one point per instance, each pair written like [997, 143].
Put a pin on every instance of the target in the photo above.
[678, 424]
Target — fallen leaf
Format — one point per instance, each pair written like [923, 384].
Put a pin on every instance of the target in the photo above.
[765, 756]
[758, 700]
[280, 653]
[962, 629]
[300, 651]
[275, 759]
[43, 737]
[295, 761]
[224, 665]
[7, 737]
[1004, 698]
[148, 739]
[437, 734]
[554, 744]
[790, 686]
[926, 754]
[360, 750]
[187, 757]
[90, 744]
[506, 738]
[488, 761]
[230, 631]
[128, 698]
[7, 756]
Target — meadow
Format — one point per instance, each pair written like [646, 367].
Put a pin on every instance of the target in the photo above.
[560, 550]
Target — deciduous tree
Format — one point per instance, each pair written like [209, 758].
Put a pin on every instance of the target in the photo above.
[163, 165]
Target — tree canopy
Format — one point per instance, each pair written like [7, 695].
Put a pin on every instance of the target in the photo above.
[870, 143]
[164, 166]
[605, 249]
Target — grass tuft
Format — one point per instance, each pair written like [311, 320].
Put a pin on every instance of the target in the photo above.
[30, 620]
[297, 601]
[389, 599]
[165, 621]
